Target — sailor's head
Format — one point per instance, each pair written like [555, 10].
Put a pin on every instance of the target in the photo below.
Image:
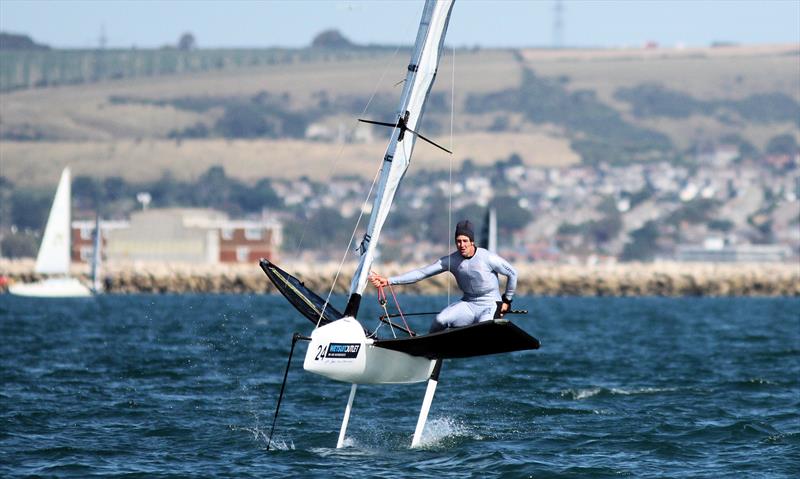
[465, 238]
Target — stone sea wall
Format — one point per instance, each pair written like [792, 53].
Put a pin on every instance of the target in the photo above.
[651, 279]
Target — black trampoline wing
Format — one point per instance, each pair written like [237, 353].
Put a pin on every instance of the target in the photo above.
[488, 337]
[303, 299]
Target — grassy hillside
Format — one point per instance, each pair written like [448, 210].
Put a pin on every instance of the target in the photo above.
[39, 164]
[121, 126]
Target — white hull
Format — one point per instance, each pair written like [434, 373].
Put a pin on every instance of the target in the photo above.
[52, 288]
[342, 352]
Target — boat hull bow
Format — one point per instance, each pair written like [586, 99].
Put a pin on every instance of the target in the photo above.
[52, 288]
[341, 351]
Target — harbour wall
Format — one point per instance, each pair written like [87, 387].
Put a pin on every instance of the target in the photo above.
[624, 279]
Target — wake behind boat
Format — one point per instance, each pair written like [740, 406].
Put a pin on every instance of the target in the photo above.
[340, 347]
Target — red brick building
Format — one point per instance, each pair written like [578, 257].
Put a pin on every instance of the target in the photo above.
[82, 238]
[248, 241]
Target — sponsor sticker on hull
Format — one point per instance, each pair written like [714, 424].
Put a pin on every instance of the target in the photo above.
[343, 350]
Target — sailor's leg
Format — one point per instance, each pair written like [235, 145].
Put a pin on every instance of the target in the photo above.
[457, 314]
[486, 311]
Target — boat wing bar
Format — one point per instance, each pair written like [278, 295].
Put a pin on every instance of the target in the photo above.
[306, 301]
[480, 339]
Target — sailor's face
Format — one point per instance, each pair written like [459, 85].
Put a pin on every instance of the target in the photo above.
[465, 246]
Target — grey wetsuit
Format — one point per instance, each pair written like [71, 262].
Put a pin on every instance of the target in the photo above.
[477, 279]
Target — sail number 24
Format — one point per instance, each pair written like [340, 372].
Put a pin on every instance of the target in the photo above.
[338, 350]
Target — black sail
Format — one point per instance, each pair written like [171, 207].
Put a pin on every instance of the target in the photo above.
[306, 301]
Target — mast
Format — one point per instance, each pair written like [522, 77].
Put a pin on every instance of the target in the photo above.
[417, 87]
[490, 230]
[96, 255]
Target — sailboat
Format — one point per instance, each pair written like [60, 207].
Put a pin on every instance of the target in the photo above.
[54, 252]
[340, 347]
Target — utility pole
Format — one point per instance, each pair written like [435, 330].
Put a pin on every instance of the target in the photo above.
[103, 40]
[558, 24]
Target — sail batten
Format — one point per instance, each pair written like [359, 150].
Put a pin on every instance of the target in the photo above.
[419, 80]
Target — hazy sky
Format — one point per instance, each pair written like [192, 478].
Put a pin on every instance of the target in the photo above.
[260, 23]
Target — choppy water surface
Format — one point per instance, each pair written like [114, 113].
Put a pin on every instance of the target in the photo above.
[185, 386]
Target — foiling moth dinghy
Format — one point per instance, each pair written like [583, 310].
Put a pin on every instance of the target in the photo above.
[340, 347]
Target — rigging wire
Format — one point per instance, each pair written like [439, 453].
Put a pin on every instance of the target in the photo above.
[355, 228]
[399, 310]
[371, 187]
[349, 243]
[352, 130]
[382, 301]
[369, 193]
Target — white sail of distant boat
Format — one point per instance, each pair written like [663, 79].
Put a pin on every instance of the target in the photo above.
[54, 252]
[53, 257]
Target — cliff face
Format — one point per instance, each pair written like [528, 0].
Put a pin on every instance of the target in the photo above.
[656, 279]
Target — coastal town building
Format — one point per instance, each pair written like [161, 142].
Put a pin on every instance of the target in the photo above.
[190, 235]
[82, 244]
[715, 250]
[624, 212]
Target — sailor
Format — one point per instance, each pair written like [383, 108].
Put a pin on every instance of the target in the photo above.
[475, 270]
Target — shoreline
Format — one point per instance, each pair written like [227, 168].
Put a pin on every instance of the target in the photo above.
[536, 279]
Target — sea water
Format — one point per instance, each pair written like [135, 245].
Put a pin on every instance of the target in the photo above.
[186, 386]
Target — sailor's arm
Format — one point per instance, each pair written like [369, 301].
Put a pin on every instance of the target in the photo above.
[409, 277]
[501, 266]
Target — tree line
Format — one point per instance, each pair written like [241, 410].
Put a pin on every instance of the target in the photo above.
[24, 210]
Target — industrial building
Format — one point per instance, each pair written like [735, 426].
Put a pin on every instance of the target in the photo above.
[190, 235]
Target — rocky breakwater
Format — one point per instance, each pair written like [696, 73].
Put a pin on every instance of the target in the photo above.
[173, 278]
[628, 279]
[642, 279]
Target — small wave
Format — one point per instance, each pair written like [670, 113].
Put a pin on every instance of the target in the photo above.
[582, 393]
[260, 436]
[350, 448]
[781, 438]
[585, 393]
[628, 392]
[556, 411]
[754, 382]
[282, 445]
[441, 431]
[349, 442]
[735, 430]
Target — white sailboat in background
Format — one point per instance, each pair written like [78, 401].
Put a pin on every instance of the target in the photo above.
[54, 252]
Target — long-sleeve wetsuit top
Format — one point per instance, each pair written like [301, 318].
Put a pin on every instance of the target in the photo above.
[476, 276]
